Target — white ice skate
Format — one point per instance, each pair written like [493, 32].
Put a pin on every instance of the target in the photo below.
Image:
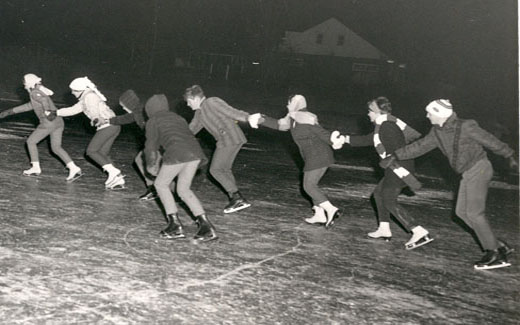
[419, 238]
[383, 232]
[117, 184]
[74, 174]
[32, 172]
[319, 216]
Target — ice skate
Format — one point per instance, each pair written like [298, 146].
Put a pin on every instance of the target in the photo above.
[117, 184]
[206, 231]
[74, 174]
[174, 229]
[236, 203]
[319, 216]
[419, 238]
[506, 249]
[383, 232]
[34, 171]
[331, 212]
[150, 194]
[493, 259]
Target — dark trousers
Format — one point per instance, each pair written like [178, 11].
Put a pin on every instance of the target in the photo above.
[99, 147]
[221, 164]
[471, 202]
[385, 195]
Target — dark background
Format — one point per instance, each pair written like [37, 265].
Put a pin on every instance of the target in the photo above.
[465, 50]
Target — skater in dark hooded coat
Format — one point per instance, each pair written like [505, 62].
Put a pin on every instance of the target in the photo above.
[168, 132]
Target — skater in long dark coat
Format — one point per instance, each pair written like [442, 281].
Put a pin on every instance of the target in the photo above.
[391, 133]
[314, 144]
[182, 155]
[463, 143]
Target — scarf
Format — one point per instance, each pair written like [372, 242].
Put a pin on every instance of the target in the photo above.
[409, 133]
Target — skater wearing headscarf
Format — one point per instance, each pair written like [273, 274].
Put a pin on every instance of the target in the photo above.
[314, 144]
[49, 125]
[463, 143]
[391, 133]
[168, 132]
[93, 104]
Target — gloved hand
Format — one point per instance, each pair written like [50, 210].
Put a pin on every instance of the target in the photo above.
[156, 158]
[254, 119]
[513, 164]
[337, 140]
[51, 115]
[385, 163]
[97, 122]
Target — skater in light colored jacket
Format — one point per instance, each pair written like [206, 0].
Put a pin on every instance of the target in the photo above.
[50, 125]
[391, 133]
[463, 143]
[93, 104]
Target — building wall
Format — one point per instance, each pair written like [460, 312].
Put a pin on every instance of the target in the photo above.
[330, 38]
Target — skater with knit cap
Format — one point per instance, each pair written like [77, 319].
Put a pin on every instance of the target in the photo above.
[50, 125]
[314, 144]
[134, 109]
[93, 104]
[182, 156]
[463, 143]
[220, 120]
[389, 134]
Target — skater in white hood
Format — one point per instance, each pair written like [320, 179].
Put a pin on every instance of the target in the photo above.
[93, 104]
[50, 125]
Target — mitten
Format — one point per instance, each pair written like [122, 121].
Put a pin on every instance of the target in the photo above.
[51, 116]
[337, 140]
[513, 164]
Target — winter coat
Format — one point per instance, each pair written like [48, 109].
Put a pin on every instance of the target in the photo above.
[392, 139]
[93, 106]
[42, 103]
[462, 153]
[168, 131]
[313, 142]
[220, 120]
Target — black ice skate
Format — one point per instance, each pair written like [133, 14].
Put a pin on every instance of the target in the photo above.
[236, 203]
[206, 231]
[493, 259]
[174, 229]
[507, 250]
[150, 194]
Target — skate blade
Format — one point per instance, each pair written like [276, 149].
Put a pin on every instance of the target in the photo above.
[425, 240]
[242, 207]
[494, 266]
[316, 223]
[116, 179]
[204, 240]
[170, 237]
[76, 177]
[330, 223]
[31, 175]
[387, 239]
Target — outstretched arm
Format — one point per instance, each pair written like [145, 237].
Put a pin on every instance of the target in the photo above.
[17, 109]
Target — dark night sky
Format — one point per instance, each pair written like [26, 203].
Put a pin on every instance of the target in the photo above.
[472, 44]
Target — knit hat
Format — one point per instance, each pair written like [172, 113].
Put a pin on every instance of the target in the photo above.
[440, 108]
[130, 100]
